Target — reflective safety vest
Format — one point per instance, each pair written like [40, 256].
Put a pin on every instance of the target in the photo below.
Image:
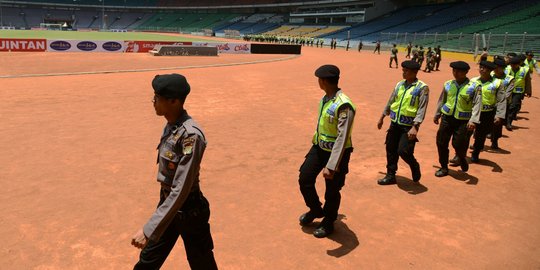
[405, 106]
[326, 134]
[459, 101]
[519, 77]
[531, 64]
[489, 93]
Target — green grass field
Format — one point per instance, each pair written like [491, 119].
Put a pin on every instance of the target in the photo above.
[92, 35]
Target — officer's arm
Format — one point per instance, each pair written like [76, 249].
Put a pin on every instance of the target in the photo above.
[501, 102]
[345, 122]
[386, 110]
[477, 105]
[509, 89]
[440, 103]
[422, 106]
[186, 174]
[528, 88]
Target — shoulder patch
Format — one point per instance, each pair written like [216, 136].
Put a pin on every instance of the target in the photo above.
[187, 145]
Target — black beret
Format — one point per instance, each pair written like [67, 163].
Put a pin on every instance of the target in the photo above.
[515, 60]
[529, 53]
[327, 71]
[171, 86]
[488, 64]
[522, 56]
[409, 64]
[460, 65]
[512, 54]
[500, 62]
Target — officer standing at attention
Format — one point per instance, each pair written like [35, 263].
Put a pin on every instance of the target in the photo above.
[493, 106]
[508, 85]
[393, 56]
[407, 107]
[182, 209]
[459, 104]
[522, 83]
[330, 152]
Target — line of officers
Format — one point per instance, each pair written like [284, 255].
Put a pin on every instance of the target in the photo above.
[466, 107]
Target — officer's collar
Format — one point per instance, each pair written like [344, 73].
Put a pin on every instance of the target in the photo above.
[181, 119]
[327, 98]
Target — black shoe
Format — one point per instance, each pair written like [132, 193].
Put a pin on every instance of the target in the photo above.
[308, 217]
[454, 162]
[389, 179]
[474, 158]
[509, 127]
[416, 173]
[495, 145]
[323, 231]
[441, 172]
[488, 136]
[464, 166]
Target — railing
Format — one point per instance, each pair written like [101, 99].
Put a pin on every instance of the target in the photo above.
[471, 43]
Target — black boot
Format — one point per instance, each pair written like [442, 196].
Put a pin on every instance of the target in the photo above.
[308, 217]
[389, 179]
[441, 172]
[416, 173]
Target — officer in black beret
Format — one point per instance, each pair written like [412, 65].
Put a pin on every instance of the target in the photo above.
[182, 209]
[532, 63]
[522, 82]
[330, 152]
[508, 84]
[407, 108]
[493, 106]
[459, 107]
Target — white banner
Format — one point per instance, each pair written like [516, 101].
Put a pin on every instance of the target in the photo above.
[85, 46]
[227, 47]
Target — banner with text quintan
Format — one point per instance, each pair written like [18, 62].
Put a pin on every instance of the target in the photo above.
[227, 47]
[146, 46]
[22, 45]
[85, 46]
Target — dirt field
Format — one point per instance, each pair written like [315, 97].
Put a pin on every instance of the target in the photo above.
[77, 169]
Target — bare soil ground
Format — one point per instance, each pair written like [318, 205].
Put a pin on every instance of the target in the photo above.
[77, 169]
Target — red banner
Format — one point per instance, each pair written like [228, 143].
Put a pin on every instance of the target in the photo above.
[22, 45]
[146, 46]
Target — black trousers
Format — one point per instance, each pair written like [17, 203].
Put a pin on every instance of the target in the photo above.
[316, 160]
[191, 223]
[452, 128]
[514, 108]
[498, 129]
[393, 59]
[399, 145]
[481, 131]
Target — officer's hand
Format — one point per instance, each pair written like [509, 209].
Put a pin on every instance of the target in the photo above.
[471, 126]
[380, 123]
[436, 119]
[412, 134]
[139, 240]
[327, 173]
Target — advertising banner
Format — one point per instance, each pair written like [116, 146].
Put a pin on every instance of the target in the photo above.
[146, 46]
[227, 47]
[22, 45]
[85, 46]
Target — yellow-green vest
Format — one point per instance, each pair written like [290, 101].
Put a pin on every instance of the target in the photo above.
[531, 64]
[405, 106]
[459, 101]
[326, 134]
[489, 93]
[519, 78]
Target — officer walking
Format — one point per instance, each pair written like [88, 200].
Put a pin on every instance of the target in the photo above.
[493, 106]
[438, 55]
[532, 63]
[393, 56]
[377, 47]
[331, 151]
[508, 85]
[407, 108]
[459, 104]
[522, 83]
[409, 47]
[182, 210]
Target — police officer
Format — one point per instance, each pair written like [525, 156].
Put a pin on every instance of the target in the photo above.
[377, 47]
[493, 110]
[393, 56]
[415, 53]
[508, 85]
[459, 107]
[330, 152]
[420, 58]
[531, 62]
[522, 83]
[438, 55]
[182, 209]
[407, 108]
[409, 48]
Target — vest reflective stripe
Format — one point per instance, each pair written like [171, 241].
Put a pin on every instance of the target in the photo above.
[459, 100]
[489, 93]
[531, 64]
[519, 78]
[405, 106]
[326, 134]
